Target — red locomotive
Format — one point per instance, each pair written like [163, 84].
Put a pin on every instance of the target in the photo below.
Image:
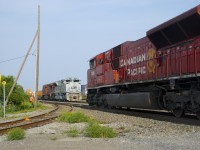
[159, 71]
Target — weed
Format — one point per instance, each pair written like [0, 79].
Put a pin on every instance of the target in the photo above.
[16, 134]
[94, 130]
[72, 132]
[73, 117]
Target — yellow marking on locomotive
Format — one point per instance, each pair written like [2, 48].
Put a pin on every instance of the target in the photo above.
[151, 62]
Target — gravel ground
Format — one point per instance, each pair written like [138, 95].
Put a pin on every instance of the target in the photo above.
[134, 133]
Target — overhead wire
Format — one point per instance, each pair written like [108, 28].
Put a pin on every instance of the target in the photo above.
[3, 61]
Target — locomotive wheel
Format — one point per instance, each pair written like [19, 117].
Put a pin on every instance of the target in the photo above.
[198, 115]
[178, 112]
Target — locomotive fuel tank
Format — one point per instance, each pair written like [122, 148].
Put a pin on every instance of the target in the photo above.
[144, 100]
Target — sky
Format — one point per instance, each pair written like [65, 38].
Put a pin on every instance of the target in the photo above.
[72, 32]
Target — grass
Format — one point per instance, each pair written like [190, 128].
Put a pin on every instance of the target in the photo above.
[94, 130]
[15, 134]
[12, 110]
[72, 132]
[40, 106]
[1, 112]
[73, 117]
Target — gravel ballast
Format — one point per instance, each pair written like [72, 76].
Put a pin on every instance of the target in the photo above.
[133, 133]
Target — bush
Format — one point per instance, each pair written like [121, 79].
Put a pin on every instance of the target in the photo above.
[26, 105]
[1, 112]
[94, 130]
[18, 95]
[12, 108]
[73, 117]
[16, 134]
[73, 132]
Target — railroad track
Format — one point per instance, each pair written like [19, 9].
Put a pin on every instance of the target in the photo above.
[71, 104]
[159, 115]
[187, 119]
[29, 122]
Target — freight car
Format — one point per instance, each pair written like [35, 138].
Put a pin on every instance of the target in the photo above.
[158, 71]
[64, 90]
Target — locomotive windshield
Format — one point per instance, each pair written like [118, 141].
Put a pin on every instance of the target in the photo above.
[68, 80]
[76, 80]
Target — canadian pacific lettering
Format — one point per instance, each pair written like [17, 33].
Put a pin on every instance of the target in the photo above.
[132, 61]
[136, 71]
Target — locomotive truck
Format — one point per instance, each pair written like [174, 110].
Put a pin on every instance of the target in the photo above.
[68, 89]
[158, 71]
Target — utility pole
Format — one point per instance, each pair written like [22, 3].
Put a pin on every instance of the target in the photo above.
[37, 35]
[15, 82]
[4, 99]
[37, 59]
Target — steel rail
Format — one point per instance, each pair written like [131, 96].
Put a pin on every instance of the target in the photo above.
[32, 121]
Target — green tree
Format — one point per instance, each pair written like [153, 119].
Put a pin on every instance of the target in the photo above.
[18, 95]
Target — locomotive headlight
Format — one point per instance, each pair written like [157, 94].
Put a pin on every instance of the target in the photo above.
[73, 87]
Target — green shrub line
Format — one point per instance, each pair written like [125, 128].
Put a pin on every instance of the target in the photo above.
[16, 134]
[18, 100]
[12, 109]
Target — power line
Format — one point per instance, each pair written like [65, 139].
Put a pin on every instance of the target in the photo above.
[15, 58]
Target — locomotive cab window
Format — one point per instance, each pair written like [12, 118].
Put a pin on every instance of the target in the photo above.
[100, 61]
[92, 63]
[68, 80]
[75, 80]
